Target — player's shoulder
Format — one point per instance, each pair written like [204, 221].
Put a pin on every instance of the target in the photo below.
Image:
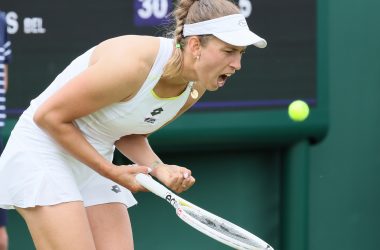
[132, 45]
[141, 51]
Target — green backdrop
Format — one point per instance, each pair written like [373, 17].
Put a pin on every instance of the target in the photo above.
[345, 168]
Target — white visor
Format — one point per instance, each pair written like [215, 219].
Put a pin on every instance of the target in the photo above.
[232, 29]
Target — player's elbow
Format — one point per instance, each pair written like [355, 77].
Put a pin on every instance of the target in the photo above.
[44, 119]
[39, 118]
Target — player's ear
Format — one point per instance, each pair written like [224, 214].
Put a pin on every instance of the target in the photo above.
[194, 46]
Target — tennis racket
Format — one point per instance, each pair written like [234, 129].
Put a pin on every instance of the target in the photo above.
[204, 221]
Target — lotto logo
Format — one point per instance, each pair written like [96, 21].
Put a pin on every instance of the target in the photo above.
[150, 119]
[156, 111]
[116, 189]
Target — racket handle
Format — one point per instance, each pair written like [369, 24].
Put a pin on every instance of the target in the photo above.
[153, 186]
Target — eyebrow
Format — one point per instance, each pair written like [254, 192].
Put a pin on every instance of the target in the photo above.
[236, 49]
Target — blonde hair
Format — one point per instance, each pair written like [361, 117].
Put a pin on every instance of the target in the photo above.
[194, 11]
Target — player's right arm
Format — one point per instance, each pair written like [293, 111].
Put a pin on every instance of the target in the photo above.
[110, 78]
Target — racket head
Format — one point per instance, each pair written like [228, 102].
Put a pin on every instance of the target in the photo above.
[191, 214]
[218, 228]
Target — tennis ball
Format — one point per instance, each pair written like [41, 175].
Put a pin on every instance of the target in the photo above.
[298, 111]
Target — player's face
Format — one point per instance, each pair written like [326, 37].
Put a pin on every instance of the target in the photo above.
[217, 62]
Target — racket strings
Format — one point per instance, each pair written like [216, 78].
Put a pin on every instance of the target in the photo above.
[220, 226]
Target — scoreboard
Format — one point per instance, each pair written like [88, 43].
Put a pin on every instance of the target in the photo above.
[47, 35]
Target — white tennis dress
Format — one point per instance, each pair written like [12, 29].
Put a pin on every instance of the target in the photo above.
[34, 170]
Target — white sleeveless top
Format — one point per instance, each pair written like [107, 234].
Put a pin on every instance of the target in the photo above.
[35, 170]
[143, 114]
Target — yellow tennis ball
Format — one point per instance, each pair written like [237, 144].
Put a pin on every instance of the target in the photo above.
[298, 111]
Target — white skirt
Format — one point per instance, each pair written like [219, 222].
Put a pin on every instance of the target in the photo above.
[34, 171]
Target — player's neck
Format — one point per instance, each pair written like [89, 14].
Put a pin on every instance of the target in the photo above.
[166, 88]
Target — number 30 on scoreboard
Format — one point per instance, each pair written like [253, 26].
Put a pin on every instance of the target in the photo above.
[153, 12]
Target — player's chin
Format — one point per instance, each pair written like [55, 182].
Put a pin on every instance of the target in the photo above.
[214, 86]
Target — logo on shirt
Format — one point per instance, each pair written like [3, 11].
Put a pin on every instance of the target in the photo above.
[156, 111]
[116, 189]
[152, 116]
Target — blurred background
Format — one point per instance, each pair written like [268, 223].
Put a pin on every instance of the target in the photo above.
[298, 185]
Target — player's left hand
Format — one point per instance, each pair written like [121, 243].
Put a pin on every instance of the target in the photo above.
[176, 178]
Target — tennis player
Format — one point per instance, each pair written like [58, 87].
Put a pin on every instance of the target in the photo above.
[57, 170]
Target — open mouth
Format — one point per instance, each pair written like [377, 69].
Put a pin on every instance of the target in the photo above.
[222, 79]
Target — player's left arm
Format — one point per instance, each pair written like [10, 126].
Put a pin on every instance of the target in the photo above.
[137, 149]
